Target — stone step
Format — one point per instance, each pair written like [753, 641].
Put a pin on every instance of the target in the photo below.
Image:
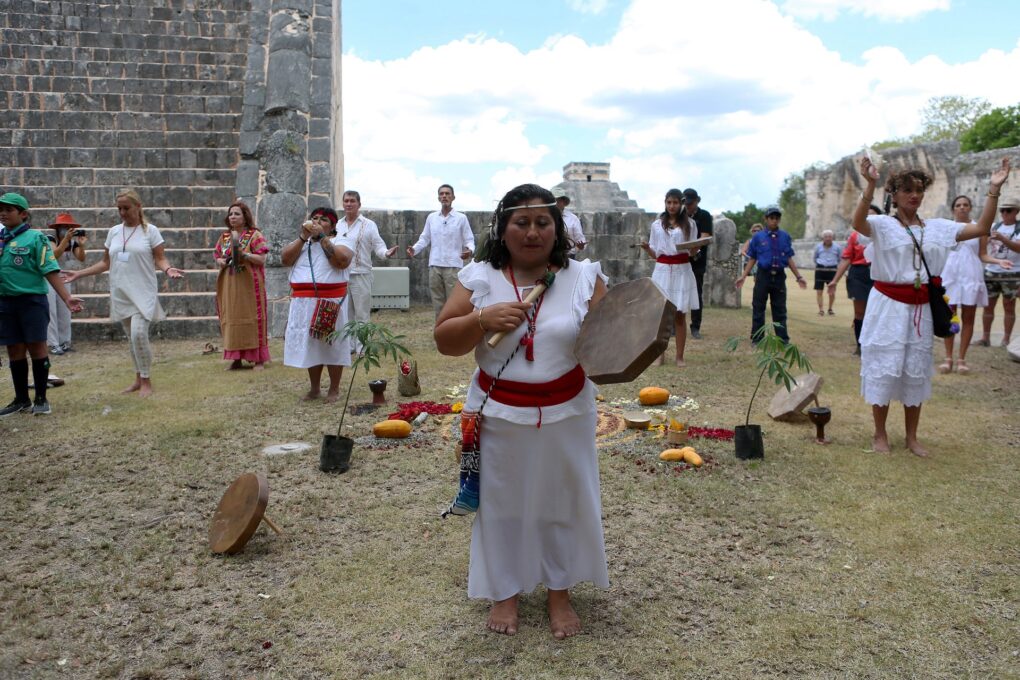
[124, 139]
[198, 327]
[11, 67]
[193, 281]
[116, 40]
[126, 55]
[125, 121]
[74, 196]
[134, 177]
[99, 220]
[228, 26]
[74, 157]
[97, 305]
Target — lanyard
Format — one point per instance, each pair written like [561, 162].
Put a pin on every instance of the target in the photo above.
[125, 240]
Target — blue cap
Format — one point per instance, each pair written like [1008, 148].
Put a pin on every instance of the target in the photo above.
[773, 210]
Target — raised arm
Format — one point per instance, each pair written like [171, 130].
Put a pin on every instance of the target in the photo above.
[860, 218]
[984, 223]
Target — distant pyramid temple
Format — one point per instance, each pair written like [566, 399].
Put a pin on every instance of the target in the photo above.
[590, 189]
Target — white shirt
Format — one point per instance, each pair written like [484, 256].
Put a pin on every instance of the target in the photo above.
[364, 240]
[574, 232]
[448, 236]
[317, 268]
[999, 250]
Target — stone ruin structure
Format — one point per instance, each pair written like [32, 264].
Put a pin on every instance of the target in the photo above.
[832, 192]
[195, 103]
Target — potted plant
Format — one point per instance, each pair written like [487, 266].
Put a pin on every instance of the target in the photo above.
[377, 342]
[777, 358]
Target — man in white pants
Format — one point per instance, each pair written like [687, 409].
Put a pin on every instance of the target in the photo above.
[452, 241]
[364, 235]
[571, 221]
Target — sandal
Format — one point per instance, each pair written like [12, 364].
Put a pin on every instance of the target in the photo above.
[821, 313]
[982, 343]
[946, 366]
[962, 368]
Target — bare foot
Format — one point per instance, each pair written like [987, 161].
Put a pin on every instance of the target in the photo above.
[880, 444]
[311, 396]
[332, 396]
[661, 360]
[563, 620]
[134, 388]
[145, 390]
[915, 448]
[503, 616]
[235, 365]
[260, 367]
[680, 363]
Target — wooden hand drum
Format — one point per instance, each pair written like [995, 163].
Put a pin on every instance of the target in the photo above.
[625, 332]
[239, 514]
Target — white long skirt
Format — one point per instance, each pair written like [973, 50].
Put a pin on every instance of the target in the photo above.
[301, 350]
[677, 283]
[896, 354]
[539, 519]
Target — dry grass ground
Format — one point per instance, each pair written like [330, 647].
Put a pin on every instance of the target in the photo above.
[816, 562]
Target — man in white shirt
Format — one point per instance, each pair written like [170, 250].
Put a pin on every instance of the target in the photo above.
[449, 235]
[571, 221]
[364, 234]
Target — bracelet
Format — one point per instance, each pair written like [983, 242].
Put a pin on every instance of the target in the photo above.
[303, 240]
[991, 195]
[867, 199]
[480, 320]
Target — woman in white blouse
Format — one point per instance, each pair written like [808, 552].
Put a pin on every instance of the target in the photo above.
[132, 253]
[897, 337]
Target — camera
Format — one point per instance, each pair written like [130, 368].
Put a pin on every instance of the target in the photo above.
[78, 232]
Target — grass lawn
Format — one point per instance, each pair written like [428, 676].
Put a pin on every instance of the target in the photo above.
[815, 562]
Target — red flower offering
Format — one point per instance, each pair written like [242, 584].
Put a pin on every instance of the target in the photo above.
[716, 433]
[410, 410]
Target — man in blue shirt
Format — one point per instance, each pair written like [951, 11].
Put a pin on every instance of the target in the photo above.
[772, 251]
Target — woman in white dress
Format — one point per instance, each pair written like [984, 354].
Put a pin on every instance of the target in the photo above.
[897, 337]
[673, 273]
[318, 305]
[539, 519]
[132, 253]
[964, 279]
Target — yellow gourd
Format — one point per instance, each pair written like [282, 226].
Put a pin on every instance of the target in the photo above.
[653, 396]
[392, 429]
[672, 455]
[690, 456]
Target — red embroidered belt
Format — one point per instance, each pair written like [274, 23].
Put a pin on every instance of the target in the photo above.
[906, 292]
[318, 290]
[679, 258]
[513, 393]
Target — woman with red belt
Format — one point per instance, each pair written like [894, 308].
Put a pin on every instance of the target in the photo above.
[673, 273]
[858, 281]
[539, 518]
[897, 337]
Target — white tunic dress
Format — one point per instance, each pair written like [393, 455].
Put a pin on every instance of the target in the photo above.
[964, 275]
[676, 281]
[300, 349]
[897, 339]
[133, 287]
[539, 519]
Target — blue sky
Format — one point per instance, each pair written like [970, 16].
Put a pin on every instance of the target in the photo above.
[729, 96]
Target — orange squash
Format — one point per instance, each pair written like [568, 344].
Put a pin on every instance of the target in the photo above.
[653, 396]
[392, 429]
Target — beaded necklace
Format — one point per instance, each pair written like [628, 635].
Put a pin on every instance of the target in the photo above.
[917, 257]
[528, 339]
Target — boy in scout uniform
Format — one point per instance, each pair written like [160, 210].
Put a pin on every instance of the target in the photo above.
[26, 264]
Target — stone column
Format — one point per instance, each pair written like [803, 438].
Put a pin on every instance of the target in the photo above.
[723, 266]
[286, 128]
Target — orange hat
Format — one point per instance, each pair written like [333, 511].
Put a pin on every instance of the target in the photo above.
[64, 219]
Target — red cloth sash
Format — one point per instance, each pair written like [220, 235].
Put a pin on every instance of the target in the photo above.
[513, 393]
[325, 290]
[906, 292]
[679, 258]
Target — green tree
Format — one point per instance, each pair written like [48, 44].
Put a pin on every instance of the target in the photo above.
[745, 218]
[793, 203]
[949, 117]
[997, 129]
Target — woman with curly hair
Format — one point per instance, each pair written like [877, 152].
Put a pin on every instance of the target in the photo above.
[539, 518]
[897, 337]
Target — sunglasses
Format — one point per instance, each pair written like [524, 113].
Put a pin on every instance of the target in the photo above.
[1006, 210]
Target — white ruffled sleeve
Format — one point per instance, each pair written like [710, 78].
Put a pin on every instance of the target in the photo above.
[475, 278]
[944, 232]
[585, 287]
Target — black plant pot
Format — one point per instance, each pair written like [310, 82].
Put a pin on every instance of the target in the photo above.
[748, 442]
[335, 453]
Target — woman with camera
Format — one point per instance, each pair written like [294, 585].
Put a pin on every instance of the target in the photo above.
[68, 243]
[318, 313]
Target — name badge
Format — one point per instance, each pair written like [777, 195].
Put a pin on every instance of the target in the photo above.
[123, 256]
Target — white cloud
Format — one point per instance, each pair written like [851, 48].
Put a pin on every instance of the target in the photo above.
[887, 10]
[729, 113]
[588, 6]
